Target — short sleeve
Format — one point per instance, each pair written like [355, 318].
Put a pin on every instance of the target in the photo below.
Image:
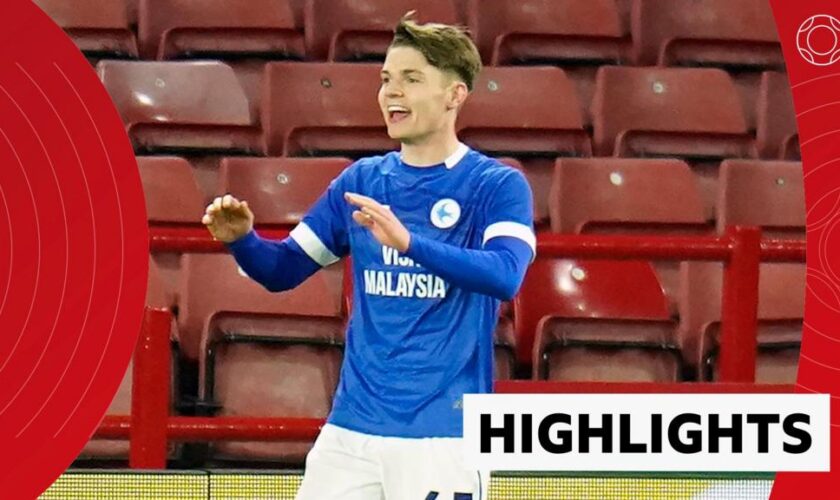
[510, 210]
[322, 233]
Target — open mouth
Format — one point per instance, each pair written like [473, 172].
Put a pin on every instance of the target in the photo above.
[396, 114]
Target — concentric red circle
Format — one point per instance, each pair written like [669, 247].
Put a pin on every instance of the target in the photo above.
[73, 251]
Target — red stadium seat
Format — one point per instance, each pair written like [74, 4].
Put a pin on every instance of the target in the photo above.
[610, 195]
[530, 111]
[171, 29]
[324, 109]
[564, 31]
[345, 30]
[100, 28]
[181, 106]
[705, 32]
[768, 194]
[171, 191]
[279, 190]
[776, 135]
[597, 290]
[693, 113]
[271, 366]
[262, 354]
[781, 300]
[630, 196]
[606, 350]
[213, 284]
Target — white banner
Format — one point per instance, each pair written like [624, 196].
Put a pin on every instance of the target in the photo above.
[647, 432]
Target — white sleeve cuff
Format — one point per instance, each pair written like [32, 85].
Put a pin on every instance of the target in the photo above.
[312, 245]
[514, 230]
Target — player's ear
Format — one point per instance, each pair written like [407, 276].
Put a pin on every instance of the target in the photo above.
[458, 93]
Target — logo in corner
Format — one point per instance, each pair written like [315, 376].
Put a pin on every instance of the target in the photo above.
[445, 213]
[818, 40]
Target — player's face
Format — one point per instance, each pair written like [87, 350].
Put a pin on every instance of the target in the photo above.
[414, 96]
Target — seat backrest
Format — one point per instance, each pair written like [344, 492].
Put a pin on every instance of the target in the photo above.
[214, 284]
[521, 111]
[169, 28]
[585, 289]
[279, 190]
[171, 191]
[668, 112]
[323, 108]
[100, 28]
[560, 30]
[87, 14]
[775, 116]
[624, 195]
[183, 93]
[720, 32]
[768, 194]
[781, 297]
[342, 30]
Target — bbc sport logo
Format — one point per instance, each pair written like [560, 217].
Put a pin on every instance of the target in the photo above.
[818, 40]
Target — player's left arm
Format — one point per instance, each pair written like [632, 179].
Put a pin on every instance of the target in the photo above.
[497, 269]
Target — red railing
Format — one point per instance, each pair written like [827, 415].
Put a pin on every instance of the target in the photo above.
[150, 426]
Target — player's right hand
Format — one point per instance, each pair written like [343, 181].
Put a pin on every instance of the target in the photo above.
[228, 219]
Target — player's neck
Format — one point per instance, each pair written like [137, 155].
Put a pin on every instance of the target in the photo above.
[433, 151]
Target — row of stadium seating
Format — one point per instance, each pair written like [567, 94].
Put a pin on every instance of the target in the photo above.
[265, 354]
[295, 109]
[571, 195]
[644, 32]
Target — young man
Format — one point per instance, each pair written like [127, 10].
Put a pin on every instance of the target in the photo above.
[439, 234]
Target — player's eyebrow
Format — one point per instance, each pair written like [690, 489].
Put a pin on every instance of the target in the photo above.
[404, 72]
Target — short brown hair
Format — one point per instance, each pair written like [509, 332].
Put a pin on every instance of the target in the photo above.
[448, 48]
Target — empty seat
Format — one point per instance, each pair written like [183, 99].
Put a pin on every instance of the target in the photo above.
[606, 350]
[100, 28]
[343, 30]
[213, 284]
[262, 354]
[181, 106]
[693, 113]
[776, 135]
[171, 191]
[781, 298]
[610, 195]
[596, 290]
[170, 29]
[705, 32]
[324, 109]
[519, 112]
[768, 194]
[564, 32]
[279, 190]
[271, 366]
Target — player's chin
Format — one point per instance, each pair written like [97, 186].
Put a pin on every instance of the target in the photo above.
[398, 133]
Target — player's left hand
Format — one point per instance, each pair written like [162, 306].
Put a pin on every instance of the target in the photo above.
[382, 223]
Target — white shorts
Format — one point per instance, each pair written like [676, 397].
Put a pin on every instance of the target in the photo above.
[349, 465]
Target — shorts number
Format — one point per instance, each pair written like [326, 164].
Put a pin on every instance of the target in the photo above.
[458, 496]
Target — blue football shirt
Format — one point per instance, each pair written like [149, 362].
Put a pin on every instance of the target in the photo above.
[416, 344]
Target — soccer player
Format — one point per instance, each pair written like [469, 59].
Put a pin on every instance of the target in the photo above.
[439, 235]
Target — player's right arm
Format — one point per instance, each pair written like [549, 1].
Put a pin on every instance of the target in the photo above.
[318, 241]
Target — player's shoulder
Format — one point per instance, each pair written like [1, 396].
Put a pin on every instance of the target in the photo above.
[363, 168]
[368, 165]
[492, 172]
